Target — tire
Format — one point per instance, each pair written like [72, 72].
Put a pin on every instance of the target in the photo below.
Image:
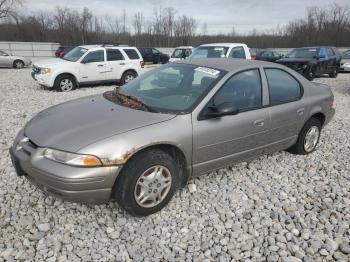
[334, 72]
[128, 187]
[127, 77]
[300, 147]
[19, 64]
[64, 83]
[310, 75]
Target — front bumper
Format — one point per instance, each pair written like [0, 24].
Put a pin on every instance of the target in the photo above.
[76, 184]
[43, 79]
[344, 68]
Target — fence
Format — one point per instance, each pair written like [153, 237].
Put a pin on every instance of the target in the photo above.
[29, 49]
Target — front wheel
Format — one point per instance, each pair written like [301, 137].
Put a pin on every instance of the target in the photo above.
[146, 183]
[334, 72]
[310, 75]
[64, 83]
[308, 138]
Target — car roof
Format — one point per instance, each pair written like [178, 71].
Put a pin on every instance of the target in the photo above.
[224, 44]
[104, 46]
[183, 47]
[229, 65]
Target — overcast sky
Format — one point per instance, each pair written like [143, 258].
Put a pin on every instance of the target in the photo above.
[219, 15]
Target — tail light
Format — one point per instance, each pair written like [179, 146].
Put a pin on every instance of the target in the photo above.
[142, 64]
[253, 57]
[333, 104]
[61, 53]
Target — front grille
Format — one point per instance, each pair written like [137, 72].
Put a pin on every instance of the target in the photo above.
[36, 70]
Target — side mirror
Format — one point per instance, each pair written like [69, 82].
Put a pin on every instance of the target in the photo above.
[223, 109]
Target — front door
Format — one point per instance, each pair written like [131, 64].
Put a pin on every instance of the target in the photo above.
[218, 142]
[93, 67]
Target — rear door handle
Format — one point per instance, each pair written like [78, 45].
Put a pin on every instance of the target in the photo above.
[259, 122]
[100, 65]
[122, 64]
[300, 111]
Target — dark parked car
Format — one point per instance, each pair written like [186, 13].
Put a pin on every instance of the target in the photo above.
[313, 61]
[153, 55]
[267, 55]
[62, 50]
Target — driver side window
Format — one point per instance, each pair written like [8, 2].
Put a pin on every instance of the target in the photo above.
[243, 90]
[237, 52]
[94, 56]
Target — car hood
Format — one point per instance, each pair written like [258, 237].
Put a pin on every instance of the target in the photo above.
[75, 124]
[293, 60]
[52, 62]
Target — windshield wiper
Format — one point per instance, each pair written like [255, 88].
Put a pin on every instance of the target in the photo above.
[131, 101]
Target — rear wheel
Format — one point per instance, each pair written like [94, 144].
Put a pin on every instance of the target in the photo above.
[18, 64]
[334, 72]
[64, 83]
[308, 138]
[127, 77]
[146, 183]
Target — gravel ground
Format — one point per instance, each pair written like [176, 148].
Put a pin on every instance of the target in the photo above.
[279, 207]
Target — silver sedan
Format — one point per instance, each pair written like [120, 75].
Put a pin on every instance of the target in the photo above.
[19, 62]
[141, 142]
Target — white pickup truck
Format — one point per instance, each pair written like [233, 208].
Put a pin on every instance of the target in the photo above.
[89, 64]
[224, 50]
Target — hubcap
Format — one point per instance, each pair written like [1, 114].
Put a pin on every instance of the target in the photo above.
[311, 138]
[66, 85]
[128, 78]
[152, 186]
[19, 65]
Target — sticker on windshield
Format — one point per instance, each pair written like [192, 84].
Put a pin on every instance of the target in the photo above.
[313, 50]
[219, 49]
[206, 70]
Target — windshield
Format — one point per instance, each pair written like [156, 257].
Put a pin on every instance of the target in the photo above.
[174, 88]
[209, 51]
[346, 55]
[303, 53]
[75, 54]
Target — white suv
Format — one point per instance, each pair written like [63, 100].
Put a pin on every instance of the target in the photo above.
[89, 64]
[225, 50]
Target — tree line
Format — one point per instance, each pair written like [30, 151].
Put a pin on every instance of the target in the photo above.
[328, 25]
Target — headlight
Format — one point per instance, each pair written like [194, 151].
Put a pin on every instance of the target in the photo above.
[45, 71]
[72, 158]
[346, 64]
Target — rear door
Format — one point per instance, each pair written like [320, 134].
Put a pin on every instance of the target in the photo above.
[115, 65]
[287, 108]
[220, 141]
[5, 60]
[93, 67]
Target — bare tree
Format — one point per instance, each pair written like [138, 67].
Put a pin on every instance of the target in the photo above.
[8, 7]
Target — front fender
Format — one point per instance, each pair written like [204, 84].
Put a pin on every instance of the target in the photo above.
[118, 149]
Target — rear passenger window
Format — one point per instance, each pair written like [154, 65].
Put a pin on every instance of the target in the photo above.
[243, 90]
[282, 86]
[114, 55]
[237, 52]
[132, 54]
